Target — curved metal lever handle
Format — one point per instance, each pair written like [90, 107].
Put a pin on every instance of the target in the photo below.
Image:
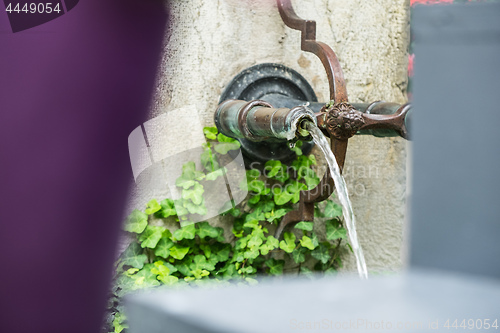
[338, 91]
[396, 121]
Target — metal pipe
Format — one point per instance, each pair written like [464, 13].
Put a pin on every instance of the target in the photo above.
[376, 108]
[258, 120]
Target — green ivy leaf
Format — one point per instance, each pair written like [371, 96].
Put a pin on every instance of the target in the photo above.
[288, 244]
[332, 209]
[226, 144]
[200, 262]
[167, 208]
[283, 174]
[241, 243]
[195, 209]
[152, 207]
[257, 186]
[252, 224]
[131, 271]
[124, 284]
[178, 252]
[163, 247]
[228, 208]
[119, 322]
[251, 253]
[184, 266]
[303, 162]
[151, 236]
[200, 273]
[247, 270]
[216, 174]
[238, 256]
[133, 256]
[169, 280]
[145, 278]
[136, 222]
[275, 266]
[206, 230]
[207, 250]
[252, 174]
[267, 205]
[256, 238]
[331, 271]
[210, 132]
[189, 176]
[271, 244]
[294, 189]
[335, 231]
[281, 197]
[274, 215]
[306, 226]
[229, 271]
[321, 253]
[195, 194]
[221, 251]
[272, 167]
[208, 159]
[225, 139]
[299, 255]
[312, 159]
[314, 239]
[311, 182]
[297, 149]
[307, 243]
[306, 272]
[186, 232]
[318, 211]
[254, 198]
[179, 207]
[309, 176]
[235, 212]
[171, 267]
[257, 214]
[160, 269]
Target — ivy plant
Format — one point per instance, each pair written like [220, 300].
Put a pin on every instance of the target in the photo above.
[197, 253]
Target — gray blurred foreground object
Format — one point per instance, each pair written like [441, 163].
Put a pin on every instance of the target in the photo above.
[455, 214]
[416, 302]
[456, 185]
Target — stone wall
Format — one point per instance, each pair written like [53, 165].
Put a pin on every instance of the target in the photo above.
[209, 42]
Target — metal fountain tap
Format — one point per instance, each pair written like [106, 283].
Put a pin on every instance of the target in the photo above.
[258, 120]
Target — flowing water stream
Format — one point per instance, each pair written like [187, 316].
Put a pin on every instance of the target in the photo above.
[340, 186]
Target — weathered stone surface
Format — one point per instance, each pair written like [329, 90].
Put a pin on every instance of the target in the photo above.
[209, 42]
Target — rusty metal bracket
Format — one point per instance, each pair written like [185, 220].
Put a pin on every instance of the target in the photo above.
[338, 121]
[338, 93]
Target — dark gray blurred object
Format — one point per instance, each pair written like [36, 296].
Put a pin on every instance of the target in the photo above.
[415, 302]
[456, 202]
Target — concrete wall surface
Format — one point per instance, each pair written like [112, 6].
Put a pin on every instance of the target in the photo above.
[209, 42]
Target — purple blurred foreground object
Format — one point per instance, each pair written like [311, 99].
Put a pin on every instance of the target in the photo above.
[71, 91]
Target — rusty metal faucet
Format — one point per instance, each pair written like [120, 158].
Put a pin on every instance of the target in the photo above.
[339, 120]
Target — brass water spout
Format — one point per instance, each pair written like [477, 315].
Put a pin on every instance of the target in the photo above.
[258, 120]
